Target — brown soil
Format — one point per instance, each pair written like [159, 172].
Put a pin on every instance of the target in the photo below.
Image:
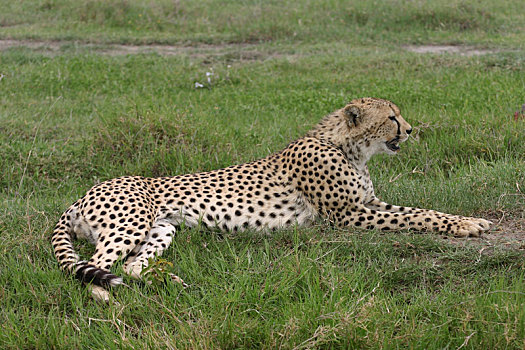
[234, 52]
[452, 49]
[241, 51]
[114, 49]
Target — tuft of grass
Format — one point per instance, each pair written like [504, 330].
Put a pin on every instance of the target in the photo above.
[455, 16]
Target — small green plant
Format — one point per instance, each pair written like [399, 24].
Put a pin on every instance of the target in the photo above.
[157, 270]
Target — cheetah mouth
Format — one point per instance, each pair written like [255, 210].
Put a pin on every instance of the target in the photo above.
[393, 144]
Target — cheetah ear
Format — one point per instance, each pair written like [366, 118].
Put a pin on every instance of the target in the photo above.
[353, 113]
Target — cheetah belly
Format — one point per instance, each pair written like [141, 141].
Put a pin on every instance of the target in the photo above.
[236, 212]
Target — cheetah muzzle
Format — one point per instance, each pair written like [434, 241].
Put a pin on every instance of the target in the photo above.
[321, 175]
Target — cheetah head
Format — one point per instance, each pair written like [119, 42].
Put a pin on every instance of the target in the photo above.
[376, 124]
[364, 127]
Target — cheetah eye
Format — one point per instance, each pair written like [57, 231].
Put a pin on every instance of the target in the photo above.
[392, 117]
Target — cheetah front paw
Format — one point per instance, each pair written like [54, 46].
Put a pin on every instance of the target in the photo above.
[471, 227]
[485, 224]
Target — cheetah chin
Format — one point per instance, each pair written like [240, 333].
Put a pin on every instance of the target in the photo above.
[323, 175]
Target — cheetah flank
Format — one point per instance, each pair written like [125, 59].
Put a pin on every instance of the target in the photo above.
[323, 174]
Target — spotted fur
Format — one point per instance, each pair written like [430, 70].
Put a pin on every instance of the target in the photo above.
[323, 174]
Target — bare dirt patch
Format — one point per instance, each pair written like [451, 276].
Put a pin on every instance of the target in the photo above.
[233, 52]
[114, 49]
[450, 49]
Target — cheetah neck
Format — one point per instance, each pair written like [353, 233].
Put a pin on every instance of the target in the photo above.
[357, 153]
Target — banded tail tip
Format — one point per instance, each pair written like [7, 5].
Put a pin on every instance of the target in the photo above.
[95, 275]
[115, 281]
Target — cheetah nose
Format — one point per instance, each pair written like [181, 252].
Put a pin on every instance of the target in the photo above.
[409, 131]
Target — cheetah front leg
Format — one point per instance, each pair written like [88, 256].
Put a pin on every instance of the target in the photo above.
[377, 204]
[156, 242]
[361, 216]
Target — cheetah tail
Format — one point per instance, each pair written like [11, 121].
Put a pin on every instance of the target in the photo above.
[69, 260]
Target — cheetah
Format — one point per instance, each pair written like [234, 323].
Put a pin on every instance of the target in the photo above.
[321, 175]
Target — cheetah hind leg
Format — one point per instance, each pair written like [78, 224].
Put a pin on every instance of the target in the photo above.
[156, 242]
[99, 293]
[105, 256]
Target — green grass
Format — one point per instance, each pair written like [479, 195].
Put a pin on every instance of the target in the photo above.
[210, 21]
[74, 117]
